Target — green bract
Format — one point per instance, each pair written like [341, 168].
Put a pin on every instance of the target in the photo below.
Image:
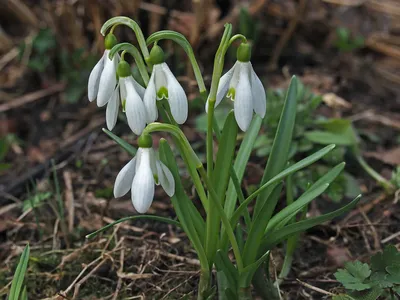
[225, 221]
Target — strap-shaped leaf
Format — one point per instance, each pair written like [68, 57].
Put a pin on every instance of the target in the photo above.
[279, 235]
[280, 149]
[223, 263]
[314, 191]
[290, 170]
[19, 275]
[220, 180]
[257, 230]
[189, 217]
[126, 146]
[240, 164]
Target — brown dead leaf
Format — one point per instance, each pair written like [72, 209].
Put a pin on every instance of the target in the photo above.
[390, 157]
[334, 101]
[36, 155]
[338, 255]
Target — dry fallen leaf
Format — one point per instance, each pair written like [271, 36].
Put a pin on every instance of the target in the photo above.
[390, 157]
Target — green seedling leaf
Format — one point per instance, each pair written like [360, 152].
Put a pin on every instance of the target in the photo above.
[394, 274]
[19, 275]
[126, 146]
[389, 257]
[354, 276]
[336, 131]
[36, 200]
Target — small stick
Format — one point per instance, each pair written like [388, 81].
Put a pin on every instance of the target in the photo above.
[69, 200]
[314, 288]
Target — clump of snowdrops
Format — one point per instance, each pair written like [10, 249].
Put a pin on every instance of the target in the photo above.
[161, 105]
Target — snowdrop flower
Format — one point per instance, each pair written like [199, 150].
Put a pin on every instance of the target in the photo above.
[102, 79]
[242, 85]
[141, 173]
[130, 94]
[163, 85]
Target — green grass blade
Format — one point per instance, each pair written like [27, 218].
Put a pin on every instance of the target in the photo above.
[126, 146]
[280, 148]
[132, 218]
[279, 235]
[19, 275]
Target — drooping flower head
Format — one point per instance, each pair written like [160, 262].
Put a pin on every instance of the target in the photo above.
[244, 88]
[129, 93]
[141, 174]
[102, 79]
[163, 85]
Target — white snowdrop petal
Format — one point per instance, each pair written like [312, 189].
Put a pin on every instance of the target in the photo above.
[138, 157]
[243, 106]
[134, 109]
[166, 178]
[160, 79]
[112, 109]
[94, 78]
[124, 179]
[142, 189]
[107, 83]
[259, 95]
[139, 89]
[223, 87]
[176, 96]
[149, 100]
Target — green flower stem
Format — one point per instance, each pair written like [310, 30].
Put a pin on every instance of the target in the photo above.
[132, 50]
[184, 43]
[213, 217]
[375, 175]
[189, 156]
[224, 218]
[113, 22]
[238, 37]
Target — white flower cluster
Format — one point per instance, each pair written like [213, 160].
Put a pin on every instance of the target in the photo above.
[111, 83]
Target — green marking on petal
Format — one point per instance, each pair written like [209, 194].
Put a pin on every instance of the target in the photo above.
[231, 93]
[123, 105]
[156, 178]
[162, 93]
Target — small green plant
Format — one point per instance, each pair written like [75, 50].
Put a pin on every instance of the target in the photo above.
[346, 42]
[18, 287]
[5, 144]
[72, 67]
[380, 278]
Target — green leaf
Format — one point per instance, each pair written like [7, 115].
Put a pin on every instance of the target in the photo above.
[220, 116]
[37, 200]
[342, 297]
[126, 146]
[336, 131]
[280, 148]
[290, 170]
[19, 275]
[372, 294]
[240, 164]
[188, 215]
[394, 274]
[226, 151]
[354, 275]
[223, 264]
[389, 257]
[280, 234]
